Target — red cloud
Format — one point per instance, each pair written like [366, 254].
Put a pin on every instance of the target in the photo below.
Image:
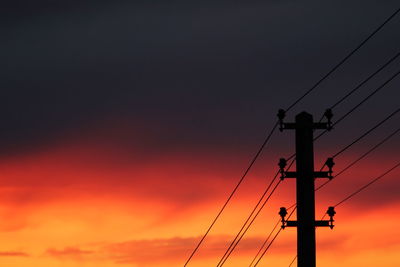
[69, 253]
[13, 254]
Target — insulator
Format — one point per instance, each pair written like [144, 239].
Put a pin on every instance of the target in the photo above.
[283, 212]
[330, 163]
[281, 116]
[331, 212]
[328, 114]
[282, 163]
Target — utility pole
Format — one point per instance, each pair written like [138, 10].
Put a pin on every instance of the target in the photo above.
[305, 175]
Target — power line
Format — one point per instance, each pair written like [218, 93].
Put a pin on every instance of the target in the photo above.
[248, 226]
[352, 110]
[376, 72]
[233, 245]
[349, 166]
[367, 185]
[272, 241]
[344, 59]
[358, 191]
[269, 245]
[248, 219]
[233, 192]
[366, 133]
[361, 157]
[265, 242]
[368, 97]
[276, 124]
[270, 234]
[360, 103]
[294, 259]
[365, 81]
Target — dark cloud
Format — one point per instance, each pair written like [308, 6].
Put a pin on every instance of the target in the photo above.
[199, 73]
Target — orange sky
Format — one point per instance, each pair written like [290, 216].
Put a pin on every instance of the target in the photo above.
[95, 202]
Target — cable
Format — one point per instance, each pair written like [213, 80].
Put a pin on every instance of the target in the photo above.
[344, 59]
[368, 97]
[361, 157]
[366, 133]
[294, 259]
[248, 226]
[352, 110]
[233, 245]
[233, 192]
[362, 83]
[367, 185]
[276, 124]
[359, 104]
[350, 165]
[265, 242]
[272, 241]
[248, 219]
[365, 81]
[265, 250]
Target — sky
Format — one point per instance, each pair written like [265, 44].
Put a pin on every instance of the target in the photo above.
[125, 126]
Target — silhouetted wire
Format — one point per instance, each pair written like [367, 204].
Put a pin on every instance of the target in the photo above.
[294, 259]
[235, 243]
[267, 248]
[276, 124]
[362, 83]
[360, 103]
[272, 241]
[344, 59]
[361, 157]
[234, 191]
[265, 242]
[367, 185]
[248, 219]
[270, 234]
[350, 165]
[248, 226]
[366, 133]
[365, 81]
[352, 110]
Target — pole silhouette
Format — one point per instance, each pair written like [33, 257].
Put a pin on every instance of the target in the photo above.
[305, 175]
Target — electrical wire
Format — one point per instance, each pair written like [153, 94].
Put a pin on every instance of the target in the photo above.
[344, 59]
[272, 241]
[351, 111]
[365, 81]
[387, 63]
[360, 103]
[237, 239]
[366, 133]
[265, 242]
[233, 192]
[248, 219]
[248, 226]
[276, 124]
[367, 185]
[294, 259]
[361, 157]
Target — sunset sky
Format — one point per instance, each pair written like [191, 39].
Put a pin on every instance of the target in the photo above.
[125, 126]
